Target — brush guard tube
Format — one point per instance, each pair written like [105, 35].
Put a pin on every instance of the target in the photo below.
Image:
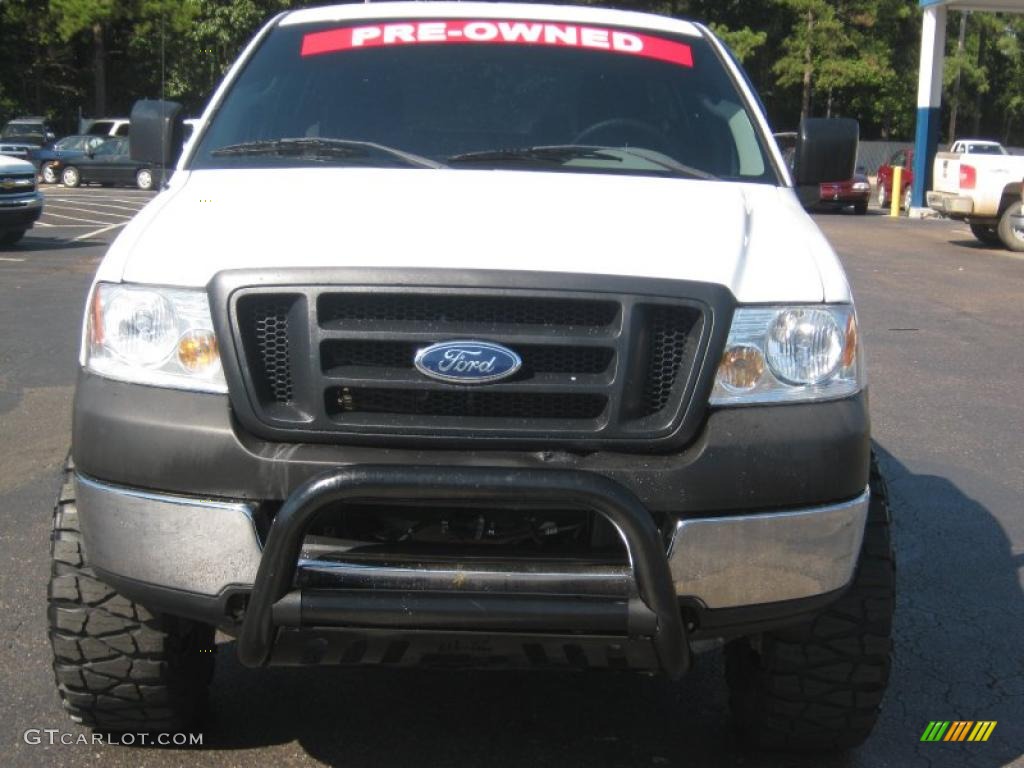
[274, 603]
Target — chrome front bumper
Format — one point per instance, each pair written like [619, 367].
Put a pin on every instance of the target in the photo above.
[204, 547]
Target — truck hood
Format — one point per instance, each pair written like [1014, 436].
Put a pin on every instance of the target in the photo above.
[753, 238]
[10, 164]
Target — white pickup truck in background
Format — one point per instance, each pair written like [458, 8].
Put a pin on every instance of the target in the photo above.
[978, 147]
[982, 188]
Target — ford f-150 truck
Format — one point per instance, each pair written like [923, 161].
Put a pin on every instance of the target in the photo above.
[983, 189]
[21, 204]
[476, 335]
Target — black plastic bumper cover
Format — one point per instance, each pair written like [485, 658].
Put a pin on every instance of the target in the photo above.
[272, 598]
[756, 457]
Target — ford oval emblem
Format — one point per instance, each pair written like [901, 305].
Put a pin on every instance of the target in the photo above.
[467, 362]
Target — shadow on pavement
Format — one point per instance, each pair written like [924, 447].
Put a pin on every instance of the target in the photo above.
[35, 243]
[977, 245]
[958, 656]
[959, 653]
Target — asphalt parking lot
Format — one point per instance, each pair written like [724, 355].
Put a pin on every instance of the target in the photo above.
[942, 318]
[84, 214]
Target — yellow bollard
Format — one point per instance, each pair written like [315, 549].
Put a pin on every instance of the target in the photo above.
[897, 179]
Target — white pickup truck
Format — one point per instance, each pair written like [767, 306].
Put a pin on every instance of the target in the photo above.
[984, 189]
[522, 299]
[978, 147]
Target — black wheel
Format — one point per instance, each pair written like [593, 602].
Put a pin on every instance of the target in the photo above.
[1011, 227]
[70, 177]
[119, 667]
[883, 198]
[10, 238]
[819, 685]
[986, 233]
[49, 173]
[860, 208]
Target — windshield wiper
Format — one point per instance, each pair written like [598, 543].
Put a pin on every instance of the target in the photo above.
[556, 153]
[560, 154]
[668, 162]
[317, 147]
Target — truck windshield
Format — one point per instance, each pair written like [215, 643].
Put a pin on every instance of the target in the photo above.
[24, 131]
[510, 94]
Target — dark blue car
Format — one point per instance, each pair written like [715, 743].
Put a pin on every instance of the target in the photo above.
[50, 162]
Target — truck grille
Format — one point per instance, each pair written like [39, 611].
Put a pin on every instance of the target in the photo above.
[14, 184]
[325, 363]
[465, 404]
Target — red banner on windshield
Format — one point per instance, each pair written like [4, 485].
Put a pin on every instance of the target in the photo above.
[498, 33]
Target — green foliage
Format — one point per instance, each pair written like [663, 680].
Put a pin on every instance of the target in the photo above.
[855, 58]
[743, 42]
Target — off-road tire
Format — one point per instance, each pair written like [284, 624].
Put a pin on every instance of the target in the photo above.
[119, 667]
[986, 234]
[819, 685]
[1009, 234]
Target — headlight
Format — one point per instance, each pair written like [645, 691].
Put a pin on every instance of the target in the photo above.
[788, 354]
[148, 335]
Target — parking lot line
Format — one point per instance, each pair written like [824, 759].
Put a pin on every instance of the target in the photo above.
[69, 194]
[90, 210]
[93, 212]
[100, 231]
[60, 202]
[69, 226]
[74, 218]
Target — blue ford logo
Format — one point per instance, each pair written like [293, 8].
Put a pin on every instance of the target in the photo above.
[467, 362]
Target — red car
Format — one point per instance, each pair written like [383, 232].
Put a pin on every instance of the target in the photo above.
[904, 157]
[839, 194]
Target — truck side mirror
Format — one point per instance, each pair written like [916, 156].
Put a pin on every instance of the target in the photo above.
[156, 130]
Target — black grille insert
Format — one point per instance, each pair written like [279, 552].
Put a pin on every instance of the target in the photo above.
[473, 404]
[669, 336]
[265, 331]
[434, 310]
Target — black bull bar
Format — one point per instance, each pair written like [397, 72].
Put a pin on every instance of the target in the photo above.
[278, 614]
